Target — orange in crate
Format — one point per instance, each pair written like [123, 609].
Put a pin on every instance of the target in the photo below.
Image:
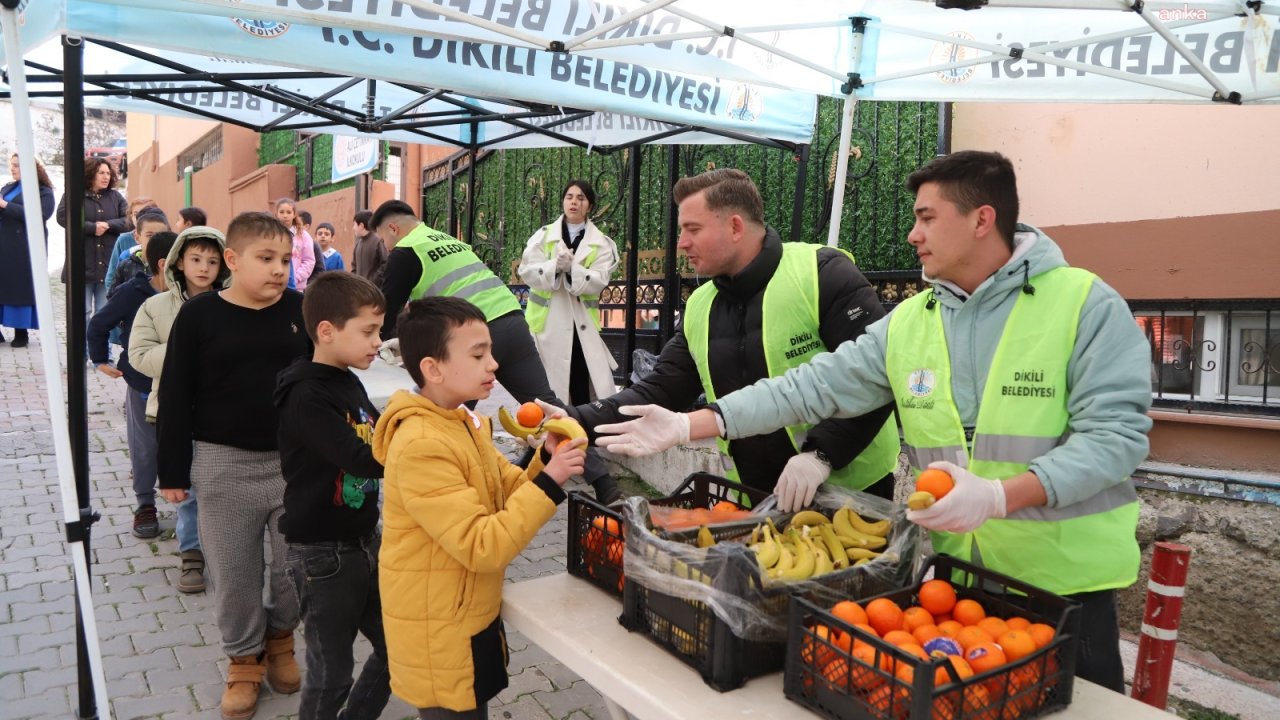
[968, 612]
[973, 636]
[1016, 644]
[884, 615]
[938, 597]
[994, 626]
[1041, 633]
[850, 612]
[985, 656]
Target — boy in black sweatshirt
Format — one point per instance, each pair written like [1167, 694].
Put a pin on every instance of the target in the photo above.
[331, 498]
[217, 428]
[118, 314]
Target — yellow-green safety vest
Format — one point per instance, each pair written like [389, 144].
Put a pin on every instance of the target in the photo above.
[450, 267]
[1089, 545]
[791, 337]
[540, 300]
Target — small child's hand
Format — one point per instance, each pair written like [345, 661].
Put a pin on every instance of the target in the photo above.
[109, 371]
[567, 458]
[173, 495]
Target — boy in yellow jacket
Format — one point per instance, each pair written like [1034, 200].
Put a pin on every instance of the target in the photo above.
[455, 513]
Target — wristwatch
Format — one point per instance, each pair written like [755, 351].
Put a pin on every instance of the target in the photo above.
[822, 457]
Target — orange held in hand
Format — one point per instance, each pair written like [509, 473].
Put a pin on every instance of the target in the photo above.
[935, 482]
[529, 415]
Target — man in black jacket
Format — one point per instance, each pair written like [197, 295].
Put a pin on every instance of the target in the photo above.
[723, 234]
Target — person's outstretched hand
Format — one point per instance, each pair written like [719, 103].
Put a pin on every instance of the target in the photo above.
[655, 429]
[799, 481]
[972, 502]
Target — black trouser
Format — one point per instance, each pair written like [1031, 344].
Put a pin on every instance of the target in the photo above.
[1098, 656]
[337, 585]
[521, 372]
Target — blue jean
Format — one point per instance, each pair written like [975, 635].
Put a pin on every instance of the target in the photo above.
[95, 298]
[188, 531]
[337, 585]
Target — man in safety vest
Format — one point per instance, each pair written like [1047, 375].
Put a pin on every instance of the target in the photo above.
[426, 262]
[769, 306]
[1024, 378]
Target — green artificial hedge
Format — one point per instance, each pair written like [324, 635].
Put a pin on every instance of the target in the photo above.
[518, 190]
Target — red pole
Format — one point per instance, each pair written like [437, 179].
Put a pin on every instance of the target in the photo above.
[1159, 639]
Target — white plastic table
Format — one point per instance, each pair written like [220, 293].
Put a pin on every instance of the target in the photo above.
[577, 624]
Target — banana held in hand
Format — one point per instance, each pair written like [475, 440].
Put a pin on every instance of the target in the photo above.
[514, 428]
[920, 500]
[565, 427]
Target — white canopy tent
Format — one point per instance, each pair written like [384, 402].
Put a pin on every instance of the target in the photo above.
[732, 69]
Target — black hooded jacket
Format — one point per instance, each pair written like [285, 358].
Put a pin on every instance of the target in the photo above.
[331, 478]
[847, 304]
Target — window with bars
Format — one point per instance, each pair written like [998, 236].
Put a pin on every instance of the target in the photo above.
[1214, 355]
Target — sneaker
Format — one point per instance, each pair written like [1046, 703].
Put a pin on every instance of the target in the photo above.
[146, 524]
[192, 578]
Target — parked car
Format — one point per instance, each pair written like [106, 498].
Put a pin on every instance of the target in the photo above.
[116, 154]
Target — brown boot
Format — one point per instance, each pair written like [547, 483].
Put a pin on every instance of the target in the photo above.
[244, 679]
[282, 670]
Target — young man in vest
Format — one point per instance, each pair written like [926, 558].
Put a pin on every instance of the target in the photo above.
[1040, 362]
[769, 306]
[427, 262]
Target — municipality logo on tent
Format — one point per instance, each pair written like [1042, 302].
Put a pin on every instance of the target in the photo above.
[745, 103]
[945, 53]
[262, 28]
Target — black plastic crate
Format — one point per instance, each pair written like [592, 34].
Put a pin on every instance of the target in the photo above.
[823, 676]
[691, 630]
[595, 531]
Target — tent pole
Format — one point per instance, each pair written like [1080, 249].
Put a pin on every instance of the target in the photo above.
[92, 683]
[77, 383]
[671, 292]
[471, 188]
[802, 181]
[633, 257]
[846, 134]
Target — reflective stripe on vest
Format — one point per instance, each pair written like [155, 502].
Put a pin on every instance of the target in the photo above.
[790, 332]
[1086, 546]
[450, 267]
[540, 300]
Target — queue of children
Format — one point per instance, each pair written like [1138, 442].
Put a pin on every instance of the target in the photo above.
[263, 420]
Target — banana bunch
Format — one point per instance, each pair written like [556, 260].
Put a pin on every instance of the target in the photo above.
[814, 544]
[564, 427]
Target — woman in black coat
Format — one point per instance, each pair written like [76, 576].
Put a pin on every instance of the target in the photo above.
[17, 292]
[106, 216]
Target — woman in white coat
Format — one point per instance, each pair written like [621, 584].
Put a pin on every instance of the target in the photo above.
[566, 266]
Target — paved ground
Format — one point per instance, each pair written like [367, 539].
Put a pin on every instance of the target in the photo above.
[160, 648]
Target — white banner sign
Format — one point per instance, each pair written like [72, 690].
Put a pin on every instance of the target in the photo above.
[354, 155]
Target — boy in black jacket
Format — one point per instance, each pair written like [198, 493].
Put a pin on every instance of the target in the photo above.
[331, 498]
[118, 314]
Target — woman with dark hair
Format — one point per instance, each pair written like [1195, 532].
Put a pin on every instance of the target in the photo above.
[17, 291]
[106, 216]
[566, 265]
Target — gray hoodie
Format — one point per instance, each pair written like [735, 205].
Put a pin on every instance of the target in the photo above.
[1109, 376]
[150, 334]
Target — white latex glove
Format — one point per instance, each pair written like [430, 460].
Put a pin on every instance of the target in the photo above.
[799, 481]
[655, 430]
[973, 501]
[564, 260]
[389, 351]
